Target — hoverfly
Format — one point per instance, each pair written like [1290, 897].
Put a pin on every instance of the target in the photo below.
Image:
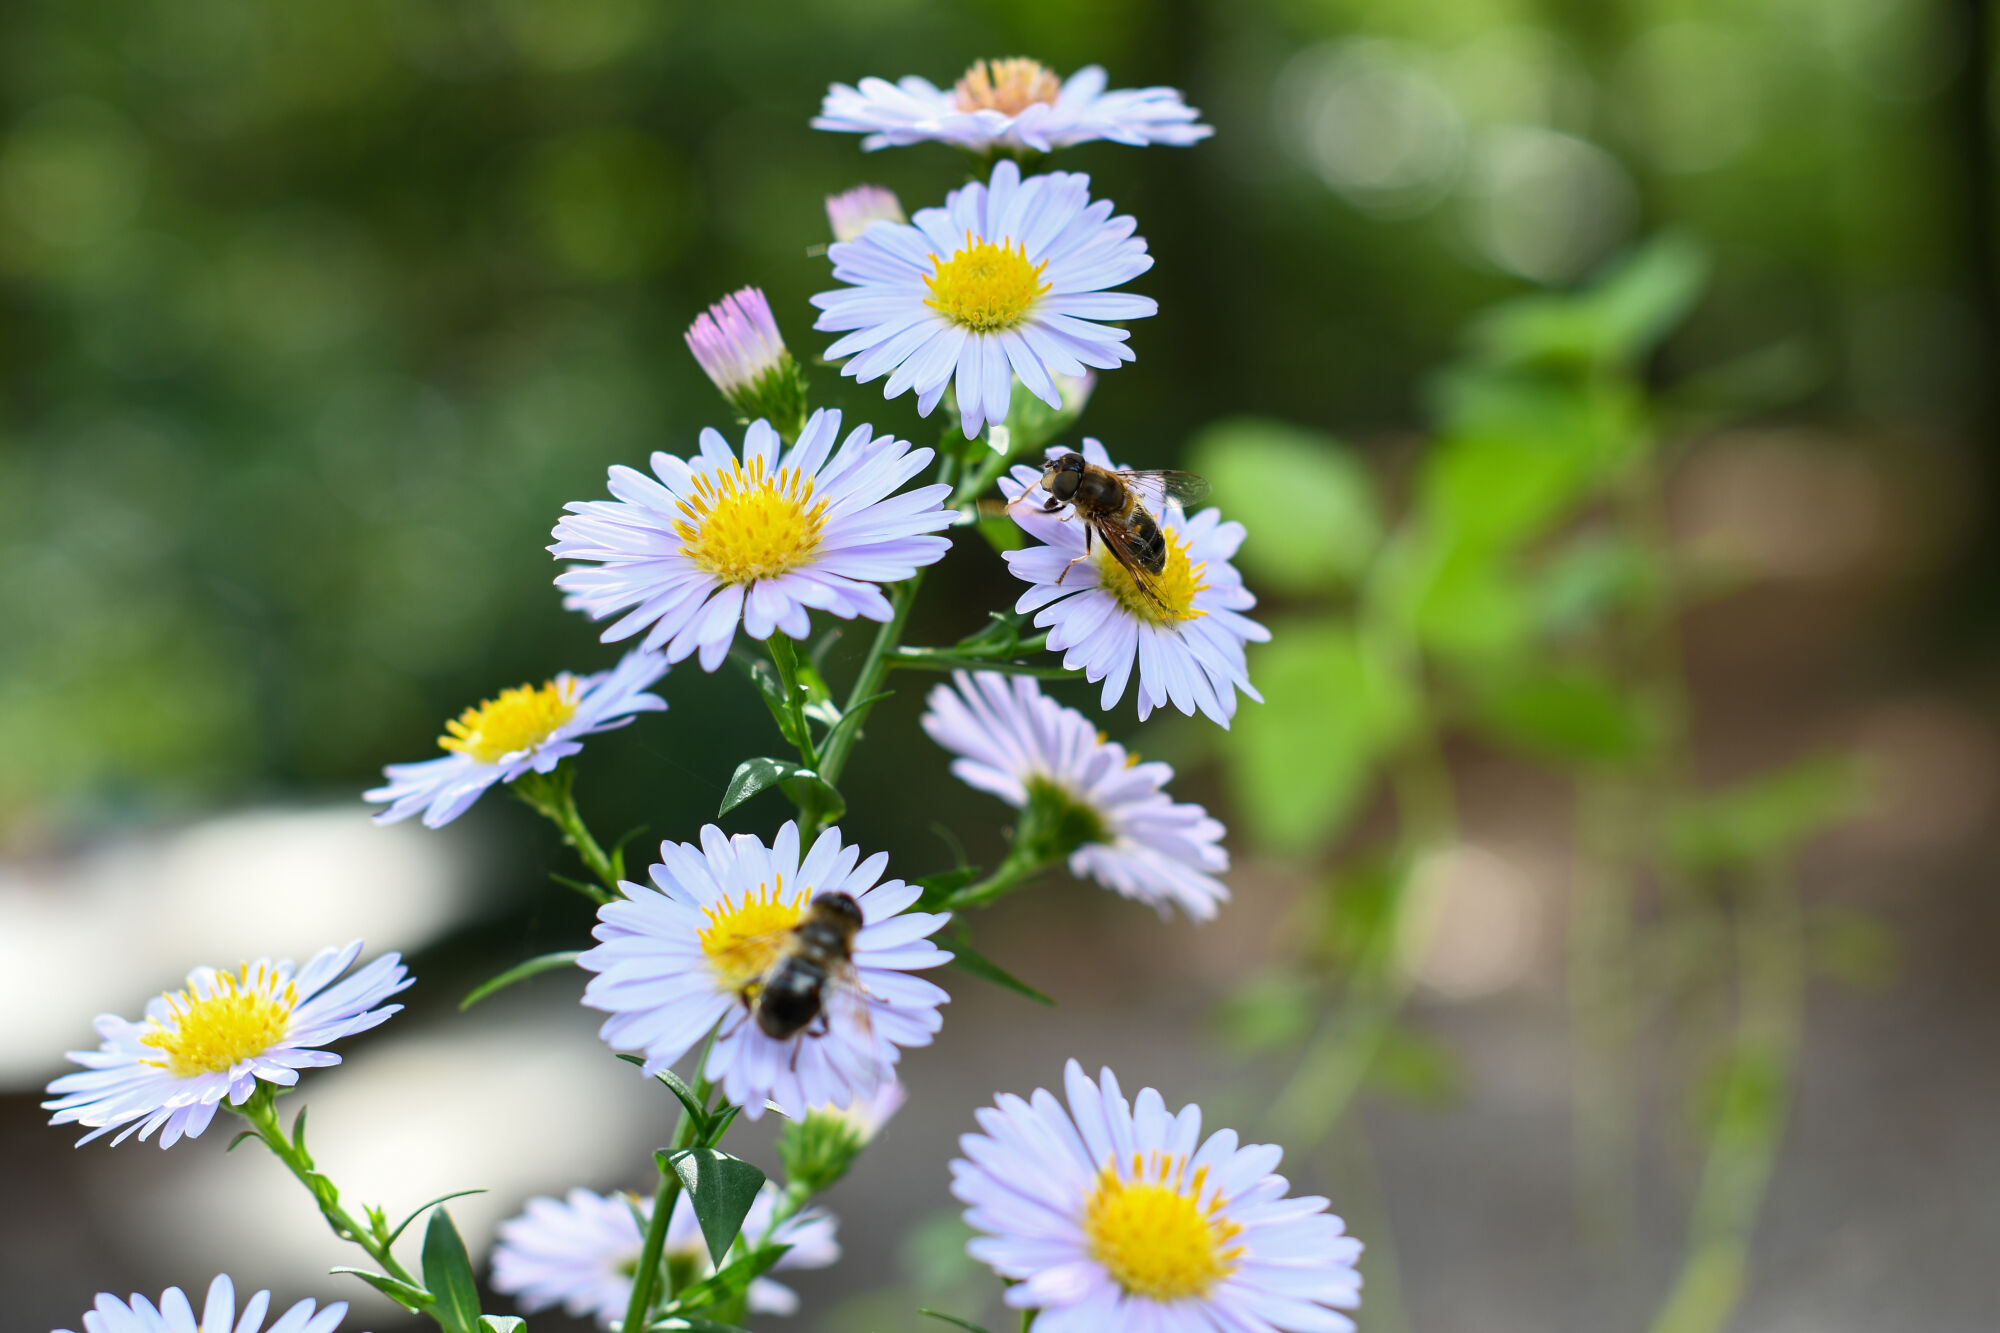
[1120, 507]
[811, 970]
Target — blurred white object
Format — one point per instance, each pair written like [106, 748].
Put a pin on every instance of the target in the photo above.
[1474, 923]
[144, 909]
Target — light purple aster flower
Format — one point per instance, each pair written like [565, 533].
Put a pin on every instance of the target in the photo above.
[1116, 1215]
[1017, 743]
[717, 540]
[174, 1314]
[579, 1251]
[1187, 641]
[525, 729]
[849, 213]
[1012, 106]
[675, 964]
[1006, 280]
[217, 1039]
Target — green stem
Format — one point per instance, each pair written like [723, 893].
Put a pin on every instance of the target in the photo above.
[874, 668]
[1750, 1121]
[1023, 863]
[553, 796]
[262, 1113]
[975, 484]
[646, 1278]
[784, 656]
[948, 659]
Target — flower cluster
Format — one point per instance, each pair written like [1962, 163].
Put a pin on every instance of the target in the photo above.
[782, 974]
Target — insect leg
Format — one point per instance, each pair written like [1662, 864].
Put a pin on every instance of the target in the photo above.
[1087, 531]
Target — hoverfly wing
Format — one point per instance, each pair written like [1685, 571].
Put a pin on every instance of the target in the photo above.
[847, 1002]
[1118, 541]
[1158, 487]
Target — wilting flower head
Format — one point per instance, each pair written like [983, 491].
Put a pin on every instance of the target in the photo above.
[1111, 1215]
[849, 214]
[1005, 280]
[1084, 795]
[579, 1252]
[1186, 638]
[1012, 106]
[217, 1039]
[218, 1315]
[737, 343]
[675, 963]
[526, 729]
[717, 540]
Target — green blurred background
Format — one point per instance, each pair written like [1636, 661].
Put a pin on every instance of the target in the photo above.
[313, 317]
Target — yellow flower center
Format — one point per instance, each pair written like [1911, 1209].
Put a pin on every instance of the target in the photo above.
[743, 525]
[986, 286]
[244, 1015]
[518, 719]
[742, 941]
[1174, 586]
[1009, 86]
[1154, 1234]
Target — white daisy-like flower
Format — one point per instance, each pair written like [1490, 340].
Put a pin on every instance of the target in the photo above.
[580, 1251]
[1187, 641]
[1111, 1215]
[717, 539]
[1030, 751]
[217, 1038]
[849, 212]
[1006, 280]
[174, 1313]
[526, 729]
[675, 964]
[1012, 106]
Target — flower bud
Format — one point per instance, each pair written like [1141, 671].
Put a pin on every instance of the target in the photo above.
[737, 344]
[817, 1150]
[849, 214]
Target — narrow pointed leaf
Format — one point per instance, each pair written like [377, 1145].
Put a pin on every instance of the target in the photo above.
[852, 718]
[501, 1323]
[968, 959]
[953, 1320]
[722, 1187]
[547, 962]
[448, 1274]
[682, 1092]
[418, 1212]
[405, 1295]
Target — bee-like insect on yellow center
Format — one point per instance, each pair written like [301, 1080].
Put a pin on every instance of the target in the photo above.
[1008, 86]
[1174, 586]
[1154, 1233]
[513, 721]
[239, 1017]
[744, 525]
[985, 286]
[744, 940]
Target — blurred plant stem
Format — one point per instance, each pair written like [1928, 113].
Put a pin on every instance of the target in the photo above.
[1750, 1113]
[1353, 1161]
[650, 1282]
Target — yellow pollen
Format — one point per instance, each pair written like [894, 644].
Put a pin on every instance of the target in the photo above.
[1154, 1233]
[1008, 86]
[743, 525]
[517, 720]
[1175, 585]
[743, 941]
[986, 286]
[243, 1015]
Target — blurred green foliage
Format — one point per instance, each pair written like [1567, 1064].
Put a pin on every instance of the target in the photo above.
[311, 318]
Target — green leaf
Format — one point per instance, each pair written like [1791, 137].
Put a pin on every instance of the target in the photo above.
[772, 688]
[1569, 715]
[726, 1282]
[942, 885]
[1002, 533]
[1463, 601]
[692, 1323]
[405, 1295]
[1853, 947]
[1591, 577]
[722, 1187]
[953, 1320]
[448, 1274]
[502, 1323]
[547, 962]
[968, 959]
[1752, 822]
[1614, 322]
[418, 1212]
[1249, 460]
[1334, 705]
[678, 1086]
[807, 789]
